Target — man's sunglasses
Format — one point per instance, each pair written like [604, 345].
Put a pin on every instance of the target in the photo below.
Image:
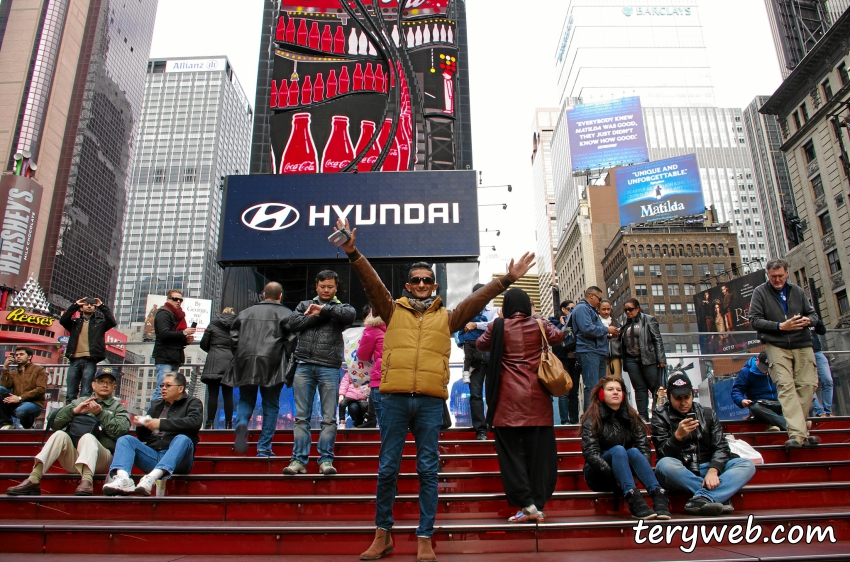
[418, 280]
[629, 309]
[176, 299]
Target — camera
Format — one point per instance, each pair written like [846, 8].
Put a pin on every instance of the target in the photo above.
[692, 462]
[339, 237]
[91, 300]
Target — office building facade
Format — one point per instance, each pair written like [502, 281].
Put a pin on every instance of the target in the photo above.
[545, 221]
[195, 128]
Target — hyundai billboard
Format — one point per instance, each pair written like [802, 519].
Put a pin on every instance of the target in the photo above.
[606, 135]
[273, 218]
[662, 190]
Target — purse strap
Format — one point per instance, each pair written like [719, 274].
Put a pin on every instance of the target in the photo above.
[544, 346]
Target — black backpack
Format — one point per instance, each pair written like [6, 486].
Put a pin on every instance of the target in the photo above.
[82, 424]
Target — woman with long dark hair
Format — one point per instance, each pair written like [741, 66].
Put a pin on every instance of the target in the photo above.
[217, 343]
[643, 355]
[615, 448]
[519, 409]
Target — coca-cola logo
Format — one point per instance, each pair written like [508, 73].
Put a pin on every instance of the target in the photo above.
[369, 159]
[269, 217]
[336, 164]
[304, 167]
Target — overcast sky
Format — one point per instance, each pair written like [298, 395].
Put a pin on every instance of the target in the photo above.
[511, 52]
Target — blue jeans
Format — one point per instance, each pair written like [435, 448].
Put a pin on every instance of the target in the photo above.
[376, 397]
[308, 378]
[423, 416]
[768, 416]
[161, 370]
[824, 405]
[129, 452]
[593, 368]
[80, 368]
[622, 462]
[674, 476]
[26, 412]
[271, 409]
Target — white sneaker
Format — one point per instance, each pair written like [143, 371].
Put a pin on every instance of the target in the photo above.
[8, 426]
[120, 487]
[145, 486]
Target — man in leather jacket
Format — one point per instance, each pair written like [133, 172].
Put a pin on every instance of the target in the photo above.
[319, 324]
[692, 455]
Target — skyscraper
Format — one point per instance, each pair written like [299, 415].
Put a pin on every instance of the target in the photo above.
[195, 128]
[543, 186]
[609, 50]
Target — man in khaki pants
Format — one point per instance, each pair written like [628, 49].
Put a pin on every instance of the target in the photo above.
[93, 453]
[782, 314]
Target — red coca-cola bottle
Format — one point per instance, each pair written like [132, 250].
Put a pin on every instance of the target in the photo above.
[339, 41]
[299, 156]
[403, 146]
[302, 32]
[343, 80]
[290, 31]
[357, 85]
[281, 29]
[283, 94]
[327, 39]
[273, 96]
[392, 160]
[293, 93]
[367, 130]
[314, 35]
[338, 152]
[319, 88]
[380, 79]
[369, 77]
[331, 87]
[307, 91]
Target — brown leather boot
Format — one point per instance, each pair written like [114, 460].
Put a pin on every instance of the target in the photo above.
[383, 544]
[425, 551]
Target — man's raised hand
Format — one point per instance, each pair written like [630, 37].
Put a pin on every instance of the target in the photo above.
[517, 269]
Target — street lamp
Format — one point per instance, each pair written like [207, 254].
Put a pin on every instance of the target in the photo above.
[498, 232]
[509, 186]
[491, 247]
[503, 205]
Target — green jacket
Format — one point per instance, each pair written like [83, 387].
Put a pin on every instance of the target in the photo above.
[114, 419]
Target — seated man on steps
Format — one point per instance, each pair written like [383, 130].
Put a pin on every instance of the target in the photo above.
[22, 389]
[755, 390]
[166, 441]
[92, 453]
[692, 456]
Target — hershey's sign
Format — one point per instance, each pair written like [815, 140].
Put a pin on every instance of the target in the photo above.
[20, 200]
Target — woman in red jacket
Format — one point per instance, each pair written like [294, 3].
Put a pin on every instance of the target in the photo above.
[371, 348]
[519, 409]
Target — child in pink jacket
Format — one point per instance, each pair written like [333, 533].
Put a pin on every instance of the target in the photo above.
[371, 348]
[353, 398]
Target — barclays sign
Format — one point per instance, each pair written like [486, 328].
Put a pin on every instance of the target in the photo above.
[289, 217]
[657, 11]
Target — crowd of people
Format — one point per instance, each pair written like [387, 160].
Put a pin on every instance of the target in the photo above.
[407, 341]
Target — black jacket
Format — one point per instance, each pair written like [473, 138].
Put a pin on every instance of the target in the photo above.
[707, 440]
[169, 345]
[651, 344]
[766, 313]
[100, 322]
[184, 418]
[262, 341]
[616, 430]
[818, 330]
[218, 345]
[320, 337]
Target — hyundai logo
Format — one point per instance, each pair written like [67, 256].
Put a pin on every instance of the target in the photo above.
[270, 217]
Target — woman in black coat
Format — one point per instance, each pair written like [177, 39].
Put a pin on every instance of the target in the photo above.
[216, 342]
[615, 449]
[643, 355]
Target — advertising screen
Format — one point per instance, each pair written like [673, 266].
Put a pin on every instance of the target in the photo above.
[723, 310]
[364, 93]
[20, 202]
[397, 215]
[662, 190]
[606, 135]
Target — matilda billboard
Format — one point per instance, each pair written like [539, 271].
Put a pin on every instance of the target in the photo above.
[606, 135]
[275, 218]
[662, 190]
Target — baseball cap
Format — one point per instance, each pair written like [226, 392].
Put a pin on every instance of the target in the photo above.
[763, 358]
[105, 372]
[679, 385]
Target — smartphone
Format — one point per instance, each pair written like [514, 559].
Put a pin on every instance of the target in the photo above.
[339, 237]
[691, 416]
[194, 325]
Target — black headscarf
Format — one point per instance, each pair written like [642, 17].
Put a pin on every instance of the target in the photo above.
[516, 300]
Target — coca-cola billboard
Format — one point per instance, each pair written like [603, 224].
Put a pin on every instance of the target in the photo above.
[353, 91]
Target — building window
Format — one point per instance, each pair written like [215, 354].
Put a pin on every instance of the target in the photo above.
[676, 308]
[817, 186]
[655, 270]
[691, 308]
[687, 270]
[834, 261]
[719, 268]
[672, 270]
[805, 113]
[825, 224]
[690, 289]
[640, 290]
[681, 348]
[842, 73]
[704, 286]
[657, 290]
[702, 268]
[843, 304]
[659, 309]
[673, 290]
[639, 271]
[827, 90]
[809, 151]
[796, 118]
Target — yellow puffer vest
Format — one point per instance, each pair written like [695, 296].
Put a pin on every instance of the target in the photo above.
[416, 351]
